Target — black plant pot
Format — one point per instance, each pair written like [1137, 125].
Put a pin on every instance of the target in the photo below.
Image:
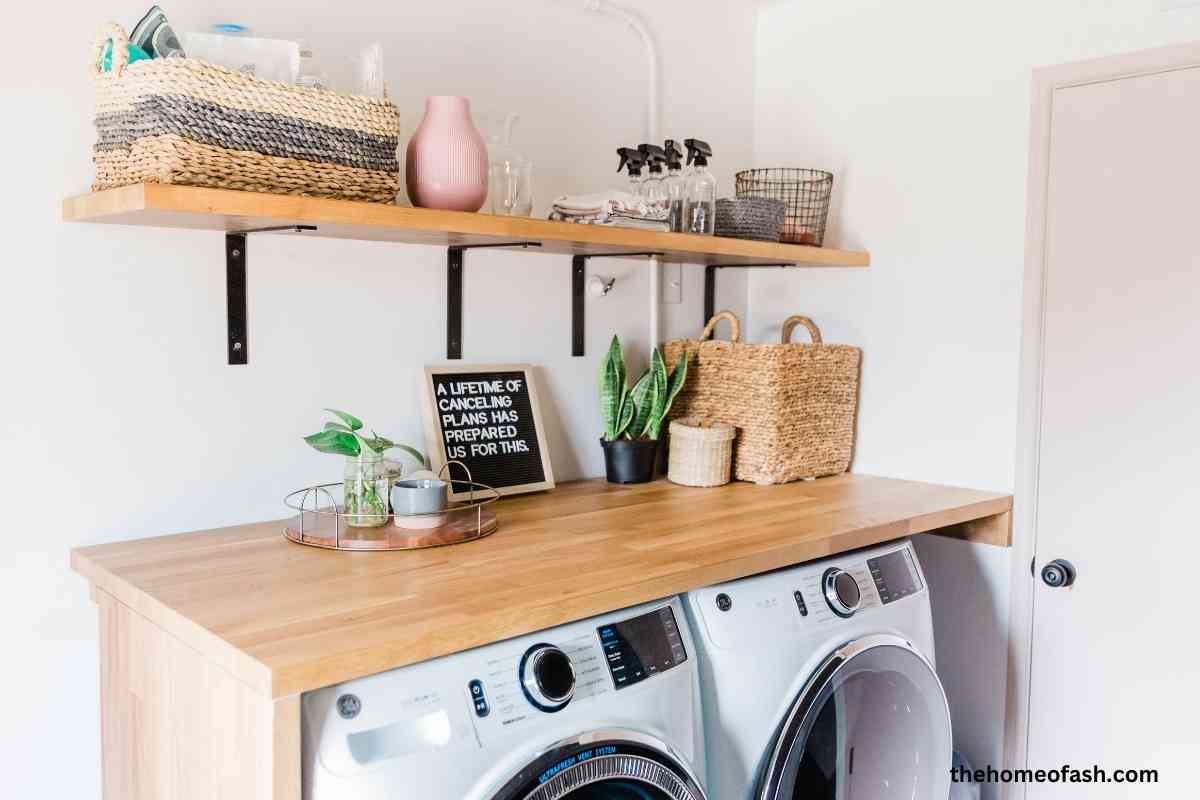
[629, 460]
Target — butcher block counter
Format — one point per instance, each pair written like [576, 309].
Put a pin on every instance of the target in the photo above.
[207, 639]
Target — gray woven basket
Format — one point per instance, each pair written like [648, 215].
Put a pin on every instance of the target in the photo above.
[187, 122]
[758, 218]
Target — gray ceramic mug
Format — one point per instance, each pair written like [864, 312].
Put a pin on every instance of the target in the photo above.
[419, 496]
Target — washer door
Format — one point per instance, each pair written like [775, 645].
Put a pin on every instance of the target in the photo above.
[871, 724]
[605, 765]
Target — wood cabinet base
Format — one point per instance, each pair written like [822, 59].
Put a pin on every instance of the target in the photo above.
[176, 726]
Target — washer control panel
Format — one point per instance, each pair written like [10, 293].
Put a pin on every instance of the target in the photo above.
[637, 648]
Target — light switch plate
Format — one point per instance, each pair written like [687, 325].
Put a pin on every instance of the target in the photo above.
[672, 283]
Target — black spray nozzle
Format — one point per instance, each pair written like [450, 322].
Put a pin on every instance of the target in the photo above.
[654, 156]
[673, 153]
[631, 157]
[698, 151]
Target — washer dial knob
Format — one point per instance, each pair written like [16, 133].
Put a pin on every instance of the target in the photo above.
[547, 677]
[841, 591]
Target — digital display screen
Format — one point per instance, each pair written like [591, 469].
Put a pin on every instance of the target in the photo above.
[637, 648]
[895, 575]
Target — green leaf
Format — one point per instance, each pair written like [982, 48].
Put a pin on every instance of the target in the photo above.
[625, 416]
[336, 426]
[642, 402]
[658, 395]
[377, 442]
[678, 378]
[612, 388]
[354, 422]
[416, 454]
[338, 443]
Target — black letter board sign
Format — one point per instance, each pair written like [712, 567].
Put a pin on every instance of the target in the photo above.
[487, 417]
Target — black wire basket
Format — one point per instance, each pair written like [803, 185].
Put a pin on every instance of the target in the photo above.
[805, 192]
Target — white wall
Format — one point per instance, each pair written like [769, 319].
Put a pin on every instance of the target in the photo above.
[119, 416]
[921, 109]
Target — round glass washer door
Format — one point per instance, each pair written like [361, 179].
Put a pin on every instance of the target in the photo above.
[605, 765]
[871, 724]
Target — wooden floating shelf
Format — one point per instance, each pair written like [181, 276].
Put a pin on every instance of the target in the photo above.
[161, 206]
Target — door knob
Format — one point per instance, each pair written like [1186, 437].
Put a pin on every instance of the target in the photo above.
[1058, 573]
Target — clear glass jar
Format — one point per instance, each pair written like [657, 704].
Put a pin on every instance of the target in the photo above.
[366, 484]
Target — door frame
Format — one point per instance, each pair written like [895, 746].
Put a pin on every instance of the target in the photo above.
[1047, 81]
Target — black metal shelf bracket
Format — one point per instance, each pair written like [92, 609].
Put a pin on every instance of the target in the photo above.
[454, 292]
[710, 284]
[235, 289]
[578, 284]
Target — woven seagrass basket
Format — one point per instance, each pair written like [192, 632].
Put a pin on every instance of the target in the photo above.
[793, 405]
[184, 121]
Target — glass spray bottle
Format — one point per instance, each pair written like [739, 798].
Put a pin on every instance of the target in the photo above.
[675, 185]
[633, 159]
[699, 214]
[653, 188]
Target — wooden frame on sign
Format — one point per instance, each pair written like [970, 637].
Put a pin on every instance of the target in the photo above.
[435, 441]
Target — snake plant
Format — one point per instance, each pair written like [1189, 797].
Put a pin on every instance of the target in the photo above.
[637, 413]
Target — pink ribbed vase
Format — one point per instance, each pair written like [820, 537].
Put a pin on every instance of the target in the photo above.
[447, 161]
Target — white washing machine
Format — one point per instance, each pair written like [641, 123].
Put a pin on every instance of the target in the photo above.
[818, 682]
[604, 708]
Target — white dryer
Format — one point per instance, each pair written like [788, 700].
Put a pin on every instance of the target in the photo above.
[817, 682]
[604, 708]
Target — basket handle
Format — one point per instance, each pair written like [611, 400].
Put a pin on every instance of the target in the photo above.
[120, 50]
[790, 324]
[735, 333]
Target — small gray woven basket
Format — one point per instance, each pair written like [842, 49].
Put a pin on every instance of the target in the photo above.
[759, 218]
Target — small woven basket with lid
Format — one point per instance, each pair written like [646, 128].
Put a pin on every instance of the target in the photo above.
[701, 452]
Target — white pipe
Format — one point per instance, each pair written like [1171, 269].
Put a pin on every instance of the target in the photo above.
[640, 28]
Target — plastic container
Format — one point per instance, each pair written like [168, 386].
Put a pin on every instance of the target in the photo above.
[629, 460]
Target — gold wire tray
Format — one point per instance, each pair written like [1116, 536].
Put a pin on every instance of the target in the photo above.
[328, 525]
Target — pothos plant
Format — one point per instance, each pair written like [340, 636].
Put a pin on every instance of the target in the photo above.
[366, 478]
[637, 413]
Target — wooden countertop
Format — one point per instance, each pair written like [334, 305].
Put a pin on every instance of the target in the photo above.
[285, 618]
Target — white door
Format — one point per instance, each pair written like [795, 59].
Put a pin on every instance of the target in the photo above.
[1114, 677]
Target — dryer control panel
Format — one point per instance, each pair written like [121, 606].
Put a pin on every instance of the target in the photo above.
[842, 590]
[895, 575]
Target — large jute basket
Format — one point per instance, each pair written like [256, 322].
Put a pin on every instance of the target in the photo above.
[185, 121]
[793, 404]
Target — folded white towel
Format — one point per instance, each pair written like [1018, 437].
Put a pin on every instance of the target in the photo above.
[583, 203]
[602, 207]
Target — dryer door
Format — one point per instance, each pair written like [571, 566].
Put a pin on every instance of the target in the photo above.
[605, 765]
[871, 724]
